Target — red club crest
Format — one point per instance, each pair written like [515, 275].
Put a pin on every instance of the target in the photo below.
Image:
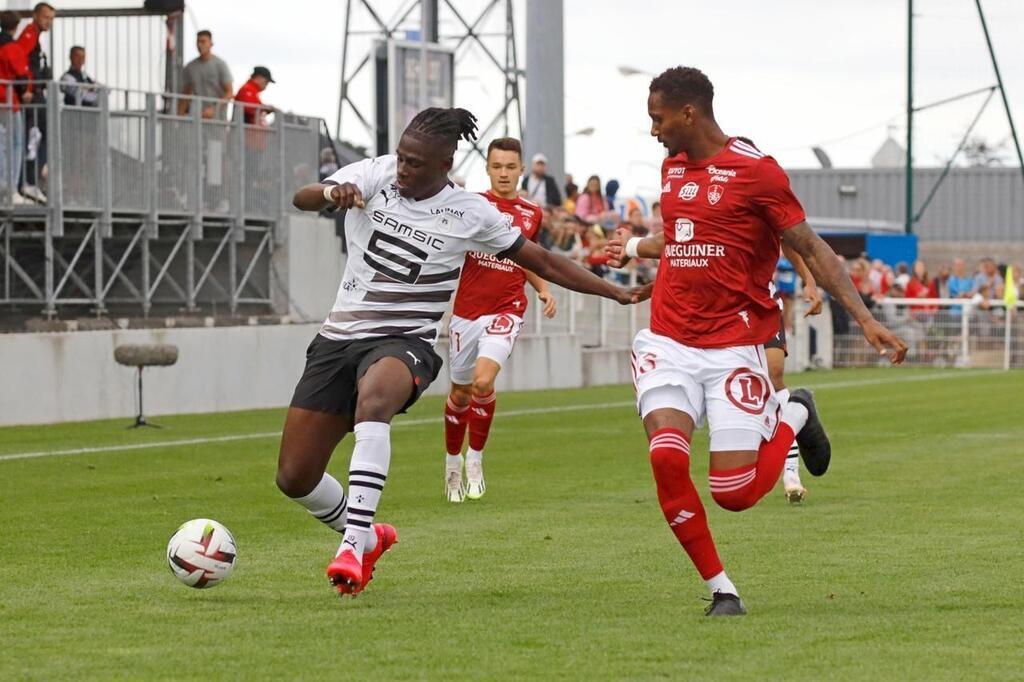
[747, 390]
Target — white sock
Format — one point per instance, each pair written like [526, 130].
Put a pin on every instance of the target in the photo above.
[721, 583]
[795, 415]
[792, 469]
[326, 502]
[367, 473]
[453, 462]
[474, 455]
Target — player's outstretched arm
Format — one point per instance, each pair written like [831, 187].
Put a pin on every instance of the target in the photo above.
[543, 293]
[318, 196]
[811, 294]
[822, 262]
[565, 273]
[646, 247]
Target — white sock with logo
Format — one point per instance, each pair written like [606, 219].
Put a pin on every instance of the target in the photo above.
[368, 471]
[326, 502]
[453, 462]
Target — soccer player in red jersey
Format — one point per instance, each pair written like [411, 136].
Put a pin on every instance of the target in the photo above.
[726, 206]
[486, 321]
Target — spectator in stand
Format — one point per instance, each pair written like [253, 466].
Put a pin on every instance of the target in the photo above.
[572, 193]
[253, 110]
[656, 221]
[989, 280]
[35, 116]
[206, 76]
[610, 190]
[568, 183]
[635, 222]
[590, 204]
[13, 67]
[540, 187]
[902, 275]
[328, 163]
[922, 286]
[960, 284]
[78, 88]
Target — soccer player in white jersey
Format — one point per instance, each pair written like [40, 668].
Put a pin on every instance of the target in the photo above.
[408, 230]
[486, 321]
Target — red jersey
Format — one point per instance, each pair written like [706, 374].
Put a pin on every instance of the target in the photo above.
[723, 217]
[492, 286]
[249, 96]
[13, 67]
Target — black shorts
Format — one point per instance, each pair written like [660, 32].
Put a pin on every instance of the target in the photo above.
[330, 382]
[779, 340]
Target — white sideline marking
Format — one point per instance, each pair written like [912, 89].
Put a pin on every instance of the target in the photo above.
[420, 422]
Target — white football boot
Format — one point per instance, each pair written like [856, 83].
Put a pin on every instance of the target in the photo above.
[454, 490]
[475, 477]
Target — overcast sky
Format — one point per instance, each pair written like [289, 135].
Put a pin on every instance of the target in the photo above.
[788, 74]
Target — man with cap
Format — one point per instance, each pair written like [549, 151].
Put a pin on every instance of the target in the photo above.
[249, 95]
[540, 187]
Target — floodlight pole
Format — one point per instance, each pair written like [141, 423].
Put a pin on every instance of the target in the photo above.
[908, 225]
[999, 82]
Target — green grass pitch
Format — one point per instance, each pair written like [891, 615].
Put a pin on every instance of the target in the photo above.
[904, 563]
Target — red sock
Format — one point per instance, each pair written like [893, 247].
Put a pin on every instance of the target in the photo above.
[455, 420]
[670, 460]
[480, 422]
[740, 488]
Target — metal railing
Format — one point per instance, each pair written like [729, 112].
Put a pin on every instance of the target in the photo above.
[940, 332]
[958, 333]
[144, 206]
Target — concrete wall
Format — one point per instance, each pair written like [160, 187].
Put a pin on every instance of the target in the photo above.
[309, 264]
[72, 376]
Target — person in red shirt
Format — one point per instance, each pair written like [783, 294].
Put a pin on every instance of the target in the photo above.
[486, 320]
[35, 117]
[727, 207]
[249, 96]
[921, 285]
[13, 67]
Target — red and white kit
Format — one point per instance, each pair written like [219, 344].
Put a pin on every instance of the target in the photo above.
[490, 303]
[712, 309]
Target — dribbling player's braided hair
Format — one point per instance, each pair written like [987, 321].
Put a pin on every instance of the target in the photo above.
[450, 125]
[685, 85]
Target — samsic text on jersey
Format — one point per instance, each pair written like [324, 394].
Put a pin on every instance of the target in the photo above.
[723, 218]
[405, 256]
[493, 286]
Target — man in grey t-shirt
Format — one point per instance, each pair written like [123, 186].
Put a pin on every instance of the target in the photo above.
[206, 76]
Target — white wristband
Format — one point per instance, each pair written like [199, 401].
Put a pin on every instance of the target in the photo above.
[631, 247]
[327, 193]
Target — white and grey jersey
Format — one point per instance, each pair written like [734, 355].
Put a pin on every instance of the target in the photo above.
[405, 256]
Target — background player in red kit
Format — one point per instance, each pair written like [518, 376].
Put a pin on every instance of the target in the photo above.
[725, 207]
[487, 319]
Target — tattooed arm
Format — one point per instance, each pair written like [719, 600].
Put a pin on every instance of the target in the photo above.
[830, 274]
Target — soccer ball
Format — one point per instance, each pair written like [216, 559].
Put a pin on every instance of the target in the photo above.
[201, 553]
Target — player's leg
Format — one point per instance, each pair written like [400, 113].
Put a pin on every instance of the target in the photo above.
[463, 335]
[776, 356]
[390, 378]
[751, 432]
[671, 403]
[493, 350]
[456, 418]
[307, 442]
[484, 402]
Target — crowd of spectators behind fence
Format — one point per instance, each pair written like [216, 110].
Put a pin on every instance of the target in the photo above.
[25, 69]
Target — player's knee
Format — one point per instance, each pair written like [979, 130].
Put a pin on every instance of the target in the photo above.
[735, 500]
[482, 387]
[294, 482]
[461, 396]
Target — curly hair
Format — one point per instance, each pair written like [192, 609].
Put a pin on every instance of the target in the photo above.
[684, 85]
[448, 125]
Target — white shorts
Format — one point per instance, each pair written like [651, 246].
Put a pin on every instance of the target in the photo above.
[488, 336]
[728, 385]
